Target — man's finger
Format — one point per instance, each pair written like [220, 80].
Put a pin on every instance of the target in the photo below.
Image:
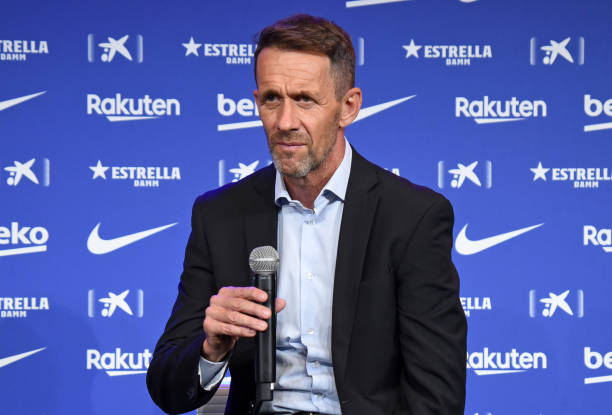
[248, 293]
[280, 304]
[235, 318]
[231, 330]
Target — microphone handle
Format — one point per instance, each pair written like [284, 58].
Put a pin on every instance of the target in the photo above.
[265, 361]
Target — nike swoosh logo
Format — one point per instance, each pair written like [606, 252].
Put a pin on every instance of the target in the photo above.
[363, 113]
[99, 246]
[5, 361]
[12, 102]
[467, 247]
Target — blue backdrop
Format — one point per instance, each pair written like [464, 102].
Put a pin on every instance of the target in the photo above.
[115, 115]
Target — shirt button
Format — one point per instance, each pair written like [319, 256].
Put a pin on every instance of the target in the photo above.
[310, 331]
[316, 363]
[310, 276]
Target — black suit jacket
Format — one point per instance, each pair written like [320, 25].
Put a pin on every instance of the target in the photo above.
[398, 328]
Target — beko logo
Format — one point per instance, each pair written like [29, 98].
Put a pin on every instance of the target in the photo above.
[496, 363]
[593, 107]
[14, 235]
[130, 109]
[594, 360]
[247, 108]
[119, 363]
[488, 111]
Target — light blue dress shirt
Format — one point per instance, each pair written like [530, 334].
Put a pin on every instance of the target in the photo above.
[307, 244]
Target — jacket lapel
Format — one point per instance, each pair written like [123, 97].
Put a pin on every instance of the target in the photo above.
[261, 214]
[357, 217]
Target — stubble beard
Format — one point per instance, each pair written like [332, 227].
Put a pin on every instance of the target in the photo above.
[307, 163]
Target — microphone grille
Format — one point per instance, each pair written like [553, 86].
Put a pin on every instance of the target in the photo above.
[264, 259]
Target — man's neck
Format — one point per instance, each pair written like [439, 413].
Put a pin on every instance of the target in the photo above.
[307, 188]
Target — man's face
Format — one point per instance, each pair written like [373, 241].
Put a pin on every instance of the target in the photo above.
[298, 108]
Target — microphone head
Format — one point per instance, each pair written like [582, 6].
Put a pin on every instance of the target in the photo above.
[264, 259]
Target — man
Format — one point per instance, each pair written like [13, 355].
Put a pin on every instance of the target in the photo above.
[369, 316]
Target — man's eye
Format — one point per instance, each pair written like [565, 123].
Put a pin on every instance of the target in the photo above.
[304, 98]
[270, 98]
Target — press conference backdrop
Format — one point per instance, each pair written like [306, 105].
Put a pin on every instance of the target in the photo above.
[115, 115]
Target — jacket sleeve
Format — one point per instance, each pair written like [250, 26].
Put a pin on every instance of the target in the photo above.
[172, 377]
[432, 323]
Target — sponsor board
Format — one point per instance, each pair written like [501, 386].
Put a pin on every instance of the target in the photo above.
[549, 306]
[114, 302]
[19, 240]
[450, 55]
[119, 108]
[21, 50]
[552, 51]
[107, 49]
[20, 307]
[118, 362]
[578, 177]
[499, 363]
[466, 174]
[493, 111]
[139, 176]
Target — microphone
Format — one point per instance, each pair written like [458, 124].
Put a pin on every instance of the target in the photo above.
[264, 262]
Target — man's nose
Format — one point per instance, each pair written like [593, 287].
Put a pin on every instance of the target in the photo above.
[287, 117]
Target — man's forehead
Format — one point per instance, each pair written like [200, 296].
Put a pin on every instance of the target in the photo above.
[295, 65]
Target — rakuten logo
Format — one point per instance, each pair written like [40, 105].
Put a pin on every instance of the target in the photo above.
[601, 237]
[488, 111]
[244, 107]
[130, 109]
[496, 363]
[593, 107]
[119, 363]
[594, 360]
[15, 235]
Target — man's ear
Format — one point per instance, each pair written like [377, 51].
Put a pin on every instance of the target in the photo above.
[350, 106]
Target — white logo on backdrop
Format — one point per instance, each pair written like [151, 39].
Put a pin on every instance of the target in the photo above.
[232, 53]
[361, 3]
[465, 246]
[18, 307]
[119, 363]
[489, 111]
[115, 302]
[5, 361]
[99, 246]
[453, 55]
[20, 170]
[14, 101]
[18, 50]
[471, 304]
[495, 363]
[131, 109]
[555, 302]
[598, 237]
[26, 235]
[580, 177]
[111, 48]
[553, 50]
[140, 176]
[594, 360]
[462, 173]
[594, 108]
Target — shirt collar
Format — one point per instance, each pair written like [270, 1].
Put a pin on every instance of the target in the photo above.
[336, 185]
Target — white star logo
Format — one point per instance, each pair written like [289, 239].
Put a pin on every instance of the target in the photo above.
[412, 49]
[539, 172]
[99, 170]
[192, 47]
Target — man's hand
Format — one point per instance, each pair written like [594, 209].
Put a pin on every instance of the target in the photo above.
[233, 313]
